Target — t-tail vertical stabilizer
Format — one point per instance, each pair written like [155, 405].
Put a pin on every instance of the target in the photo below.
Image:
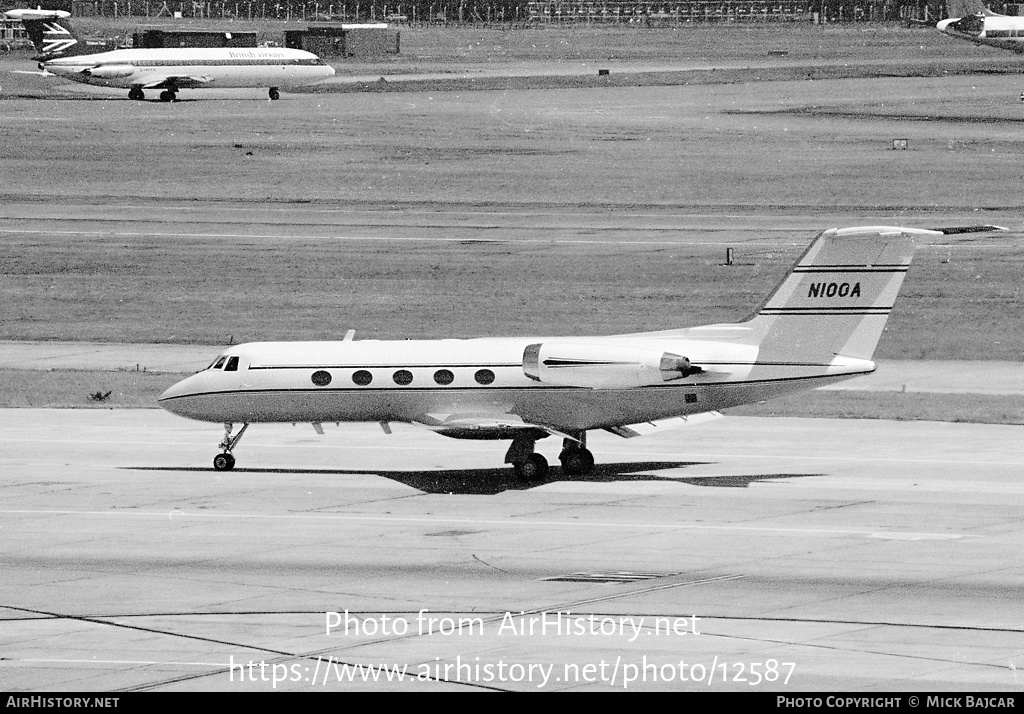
[833, 306]
[51, 33]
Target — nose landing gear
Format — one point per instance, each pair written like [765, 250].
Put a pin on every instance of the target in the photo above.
[225, 461]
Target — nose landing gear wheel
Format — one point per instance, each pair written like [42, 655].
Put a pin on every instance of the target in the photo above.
[167, 96]
[224, 461]
[274, 94]
[136, 93]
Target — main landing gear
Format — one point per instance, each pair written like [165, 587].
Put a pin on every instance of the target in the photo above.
[576, 458]
[224, 461]
[136, 93]
[168, 95]
[274, 94]
[531, 467]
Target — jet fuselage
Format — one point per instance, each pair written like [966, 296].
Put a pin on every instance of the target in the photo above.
[424, 381]
[194, 67]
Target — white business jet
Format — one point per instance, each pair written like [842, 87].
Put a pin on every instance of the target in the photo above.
[821, 325]
[167, 69]
[976, 23]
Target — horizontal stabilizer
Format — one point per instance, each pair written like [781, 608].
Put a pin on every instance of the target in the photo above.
[651, 427]
[28, 14]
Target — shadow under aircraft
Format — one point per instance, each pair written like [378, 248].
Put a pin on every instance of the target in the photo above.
[490, 482]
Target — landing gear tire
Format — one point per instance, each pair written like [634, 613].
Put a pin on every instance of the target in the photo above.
[136, 93]
[534, 469]
[577, 462]
[274, 94]
[168, 96]
[224, 461]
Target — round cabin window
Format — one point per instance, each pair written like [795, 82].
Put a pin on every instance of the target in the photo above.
[444, 376]
[362, 377]
[403, 377]
[484, 376]
[321, 378]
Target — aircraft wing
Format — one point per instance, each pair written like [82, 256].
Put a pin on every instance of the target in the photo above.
[508, 426]
[174, 81]
[485, 425]
[957, 230]
[652, 427]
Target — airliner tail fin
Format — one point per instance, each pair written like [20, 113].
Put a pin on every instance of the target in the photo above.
[50, 32]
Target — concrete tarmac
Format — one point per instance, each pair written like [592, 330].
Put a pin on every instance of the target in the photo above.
[779, 554]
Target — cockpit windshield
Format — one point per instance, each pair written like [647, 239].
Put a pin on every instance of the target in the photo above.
[218, 363]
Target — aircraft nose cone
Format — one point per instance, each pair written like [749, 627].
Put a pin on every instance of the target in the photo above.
[174, 399]
[943, 24]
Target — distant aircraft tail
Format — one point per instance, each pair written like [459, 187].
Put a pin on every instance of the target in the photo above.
[51, 33]
[837, 298]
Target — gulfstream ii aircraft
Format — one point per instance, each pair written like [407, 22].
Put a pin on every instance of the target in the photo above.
[168, 69]
[821, 325]
[974, 22]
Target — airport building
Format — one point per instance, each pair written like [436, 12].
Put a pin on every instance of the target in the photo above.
[154, 37]
[345, 40]
[11, 31]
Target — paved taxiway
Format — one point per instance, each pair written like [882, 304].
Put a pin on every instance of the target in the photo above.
[871, 555]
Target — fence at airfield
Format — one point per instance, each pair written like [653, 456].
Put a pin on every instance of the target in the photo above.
[649, 13]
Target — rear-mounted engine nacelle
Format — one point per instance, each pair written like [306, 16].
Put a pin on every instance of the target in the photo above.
[603, 365]
[112, 71]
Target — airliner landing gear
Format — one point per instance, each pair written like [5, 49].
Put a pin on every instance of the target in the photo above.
[136, 93]
[225, 461]
[274, 94]
[576, 458]
[530, 467]
[168, 95]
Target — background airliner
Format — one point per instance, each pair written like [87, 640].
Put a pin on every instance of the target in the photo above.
[821, 325]
[168, 69]
[976, 23]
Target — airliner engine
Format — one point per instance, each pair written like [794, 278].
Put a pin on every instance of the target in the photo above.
[603, 365]
[110, 71]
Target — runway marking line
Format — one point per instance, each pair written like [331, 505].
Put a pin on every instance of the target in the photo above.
[633, 454]
[123, 661]
[385, 239]
[410, 239]
[177, 514]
